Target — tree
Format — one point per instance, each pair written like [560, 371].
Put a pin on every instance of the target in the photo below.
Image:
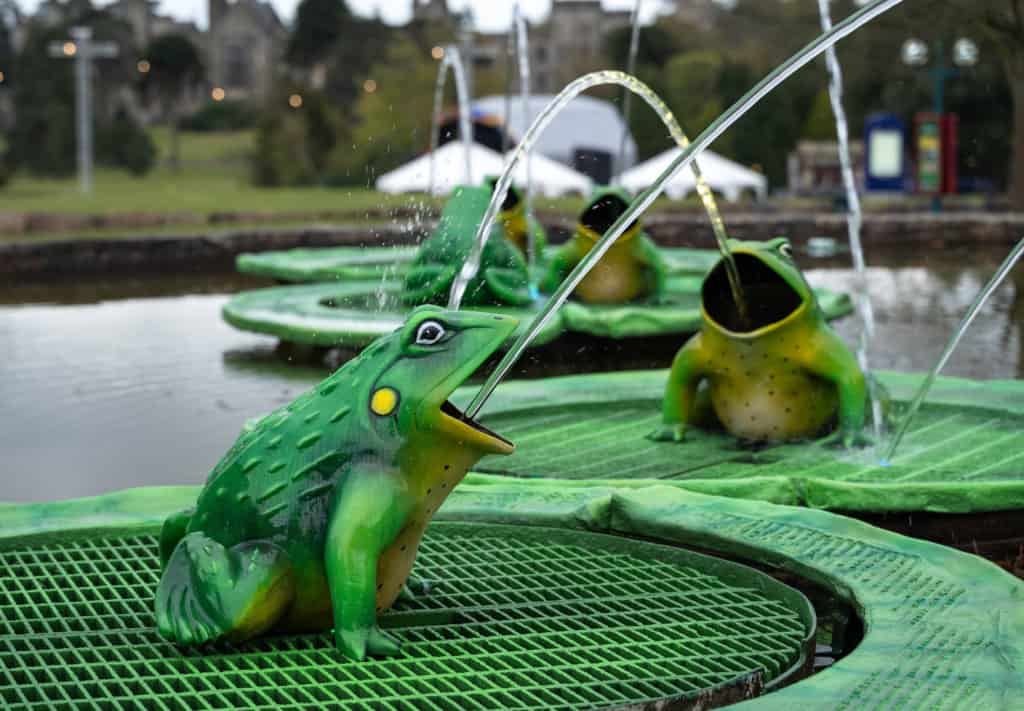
[1004, 22]
[820, 124]
[294, 142]
[318, 26]
[174, 67]
[392, 122]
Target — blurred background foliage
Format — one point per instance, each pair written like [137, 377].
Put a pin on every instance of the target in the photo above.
[366, 90]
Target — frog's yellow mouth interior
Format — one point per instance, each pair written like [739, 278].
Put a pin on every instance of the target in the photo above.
[768, 297]
[458, 419]
[603, 212]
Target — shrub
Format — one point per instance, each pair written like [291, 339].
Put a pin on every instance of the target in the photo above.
[221, 116]
[124, 144]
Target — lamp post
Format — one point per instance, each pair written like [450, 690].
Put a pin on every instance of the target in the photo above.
[936, 133]
[83, 50]
[915, 53]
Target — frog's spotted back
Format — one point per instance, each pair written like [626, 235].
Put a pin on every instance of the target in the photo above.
[502, 279]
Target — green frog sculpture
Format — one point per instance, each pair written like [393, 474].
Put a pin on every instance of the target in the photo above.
[774, 373]
[502, 280]
[518, 224]
[316, 513]
[631, 270]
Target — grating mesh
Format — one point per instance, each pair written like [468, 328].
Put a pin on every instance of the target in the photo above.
[945, 445]
[539, 619]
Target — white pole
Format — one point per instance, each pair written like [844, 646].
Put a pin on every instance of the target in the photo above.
[83, 105]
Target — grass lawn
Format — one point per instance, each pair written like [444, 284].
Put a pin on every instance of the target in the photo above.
[214, 178]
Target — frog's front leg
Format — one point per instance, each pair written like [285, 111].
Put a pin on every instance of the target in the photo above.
[371, 507]
[561, 264]
[688, 369]
[657, 271]
[829, 358]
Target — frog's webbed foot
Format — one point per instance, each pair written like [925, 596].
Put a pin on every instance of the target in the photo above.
[428, 283]
[415, 587]
[668, 433]
[848, 439]
[208, 592]
[357, 643]
[509, 286]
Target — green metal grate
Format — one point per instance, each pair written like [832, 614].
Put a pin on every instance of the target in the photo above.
[521, 618]
[944, 444]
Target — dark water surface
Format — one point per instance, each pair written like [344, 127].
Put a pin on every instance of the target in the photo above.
[132, 382]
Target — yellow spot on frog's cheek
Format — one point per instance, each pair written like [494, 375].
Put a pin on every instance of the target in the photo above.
[384, 401]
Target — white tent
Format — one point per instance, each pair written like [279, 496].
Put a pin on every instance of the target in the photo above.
[724, 176]
[549, 178]
[585, 123]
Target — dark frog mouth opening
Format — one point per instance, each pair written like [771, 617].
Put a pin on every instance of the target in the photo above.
[456, 414]
[603, 212]
[768, 297]
[512, 196]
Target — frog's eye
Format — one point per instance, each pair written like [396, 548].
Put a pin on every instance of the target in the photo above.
[785, 249]
[429, 333]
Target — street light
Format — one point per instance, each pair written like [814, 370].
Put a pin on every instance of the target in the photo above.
[915, 53]
[965, 52]
[937, 134]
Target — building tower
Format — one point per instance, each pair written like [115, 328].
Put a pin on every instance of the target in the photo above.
[429, 10]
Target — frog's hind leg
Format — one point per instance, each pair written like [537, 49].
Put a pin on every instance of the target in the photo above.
[172, 532]
[209, 593]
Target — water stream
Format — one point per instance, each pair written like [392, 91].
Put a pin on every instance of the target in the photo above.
[645, 199]
[523, 49]
[452, 60]
[1004, 270]
[627, 96]
[861, 298]
[570, 92]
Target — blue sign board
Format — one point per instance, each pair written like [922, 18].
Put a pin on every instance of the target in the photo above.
[885, 149]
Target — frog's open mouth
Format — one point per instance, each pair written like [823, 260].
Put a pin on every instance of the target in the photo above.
[603, 212]
[449, 410]
[767, 296]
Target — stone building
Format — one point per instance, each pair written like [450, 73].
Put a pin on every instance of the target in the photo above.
[571, 42]
[432, 11]
[241, 47]
[244, 45]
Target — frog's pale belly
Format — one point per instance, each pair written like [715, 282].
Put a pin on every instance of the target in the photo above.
[773, 401]
[618, 277]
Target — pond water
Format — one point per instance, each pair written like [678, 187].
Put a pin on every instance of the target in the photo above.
[132, 382]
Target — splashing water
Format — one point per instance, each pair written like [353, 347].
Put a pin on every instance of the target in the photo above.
[570, 92]
[644, 200]
[523, 48]
[1004, 269]
[452, 60]
[853, 221]
[627, 96]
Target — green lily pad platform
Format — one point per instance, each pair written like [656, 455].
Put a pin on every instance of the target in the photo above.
[963, 453]
[313, 264]
[354, 313]
[522, 617]
[541, 604]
